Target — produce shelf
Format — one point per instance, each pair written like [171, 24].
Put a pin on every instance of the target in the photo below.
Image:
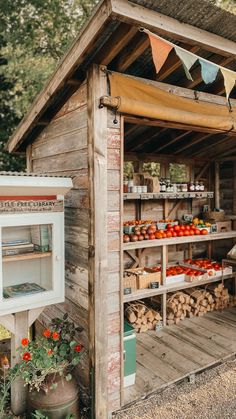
[178, 240]
[146, 293]
[168, 195]
[26, 256]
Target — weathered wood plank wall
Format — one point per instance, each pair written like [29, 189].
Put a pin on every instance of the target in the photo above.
[114, 170]
[61, 149]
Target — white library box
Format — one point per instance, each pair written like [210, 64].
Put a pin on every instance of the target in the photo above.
[32, 241]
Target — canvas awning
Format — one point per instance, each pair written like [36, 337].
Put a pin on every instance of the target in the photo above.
[145, 100]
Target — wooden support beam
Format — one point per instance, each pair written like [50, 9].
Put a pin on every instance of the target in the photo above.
[132, 51]
[97, 243]
[18, 390]
[159, 158]
[202, 171]
[174, 125]
[152, 133]
[175, 140]
[214, 145]
[217, 185]
[168, 26]
[197, 139]
[115, 44]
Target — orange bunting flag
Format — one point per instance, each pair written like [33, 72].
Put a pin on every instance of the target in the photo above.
[229, 80]
[160, 51]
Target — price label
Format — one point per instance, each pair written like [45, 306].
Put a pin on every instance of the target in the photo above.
[154, 285]
[127, 291]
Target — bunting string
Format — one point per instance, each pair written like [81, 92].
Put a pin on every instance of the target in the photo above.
[161, 49]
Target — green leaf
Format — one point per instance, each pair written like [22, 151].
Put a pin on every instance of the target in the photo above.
[73, 343]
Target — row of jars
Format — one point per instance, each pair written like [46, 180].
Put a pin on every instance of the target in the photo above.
[167, 186]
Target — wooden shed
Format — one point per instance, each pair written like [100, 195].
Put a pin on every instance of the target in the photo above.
[76, 127]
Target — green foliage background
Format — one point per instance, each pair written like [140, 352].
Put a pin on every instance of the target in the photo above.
[34, 34]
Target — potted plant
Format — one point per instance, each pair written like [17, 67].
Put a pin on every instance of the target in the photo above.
[46, 366]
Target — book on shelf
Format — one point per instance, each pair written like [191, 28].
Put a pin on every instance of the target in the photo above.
[41, 237]
[17, 249]
[19, 290]
[15, 242]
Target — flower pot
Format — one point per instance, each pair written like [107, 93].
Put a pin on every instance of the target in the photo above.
[56, 403]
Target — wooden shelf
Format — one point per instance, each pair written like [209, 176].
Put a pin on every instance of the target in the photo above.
[146, 293]
[178, 240]
[26, 256]
[168, 195]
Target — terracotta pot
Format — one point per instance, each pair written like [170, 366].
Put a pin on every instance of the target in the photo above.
[56, 403]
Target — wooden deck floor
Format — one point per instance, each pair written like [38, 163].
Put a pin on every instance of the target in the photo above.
[181, 350]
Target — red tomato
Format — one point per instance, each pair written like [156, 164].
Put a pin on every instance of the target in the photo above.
[158, 235]
[168, 226]
[177, 228]
[182, 227]
[197, 231]
[174, 234]
[168, 234]
[187, 227]
[186, 233]
[164, 235]
[204, 231]
[180, 233]
[191, 232]
[152, 236]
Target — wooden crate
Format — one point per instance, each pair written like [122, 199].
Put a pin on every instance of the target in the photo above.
[144, 279]
[130, 282]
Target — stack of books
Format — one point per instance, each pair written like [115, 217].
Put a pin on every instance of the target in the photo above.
[16, 247]
[27, 288]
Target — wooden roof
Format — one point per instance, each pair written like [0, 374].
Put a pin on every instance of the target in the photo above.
[111, 37]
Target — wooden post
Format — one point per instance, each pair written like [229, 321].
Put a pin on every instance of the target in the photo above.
[217, 185]
[97, 241]
[164, 251]
[18, 391]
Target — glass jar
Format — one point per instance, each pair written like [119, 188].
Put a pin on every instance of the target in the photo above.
[125, 186]
[202, 187]
[184, 187]
[191, 187]
[197, 186]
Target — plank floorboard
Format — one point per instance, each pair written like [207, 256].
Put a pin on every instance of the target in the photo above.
[175, 352]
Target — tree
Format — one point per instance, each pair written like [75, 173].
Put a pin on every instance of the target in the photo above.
[35, 34]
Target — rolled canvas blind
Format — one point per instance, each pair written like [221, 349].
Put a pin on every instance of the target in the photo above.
[141, 99]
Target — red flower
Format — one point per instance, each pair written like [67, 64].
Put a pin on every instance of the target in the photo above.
[55, 336]
[26, 356]
[24, 341]
[47, 333]
[78, 348]
[50, 352]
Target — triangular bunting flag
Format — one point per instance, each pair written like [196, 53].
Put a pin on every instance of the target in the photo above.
[187, 60]
[229, 80]
[209, 71]
[160, 51]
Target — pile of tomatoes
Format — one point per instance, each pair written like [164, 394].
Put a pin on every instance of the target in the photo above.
[151, 233]
[205, 264]
[178, 270]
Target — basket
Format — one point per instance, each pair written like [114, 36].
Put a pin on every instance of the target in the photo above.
[144, 279]
[216, 215]
[130, 282]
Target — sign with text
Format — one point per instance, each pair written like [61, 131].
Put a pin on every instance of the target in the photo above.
[16, 206]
